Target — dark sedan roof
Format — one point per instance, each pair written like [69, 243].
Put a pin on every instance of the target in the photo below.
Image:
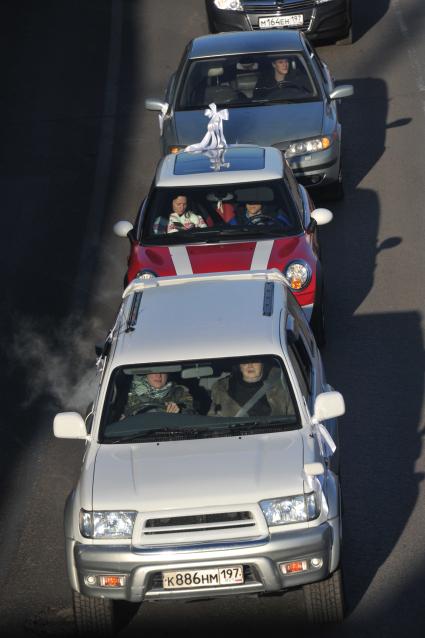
[235, 42]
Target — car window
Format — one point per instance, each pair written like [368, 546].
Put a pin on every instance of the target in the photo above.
[293, 188]
[241, 80]
[319, 65]
[195, 399]
[234, 210]
[302, 365]
[301, 349]
[302, 324]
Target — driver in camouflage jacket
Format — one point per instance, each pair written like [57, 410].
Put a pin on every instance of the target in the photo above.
[155, 389]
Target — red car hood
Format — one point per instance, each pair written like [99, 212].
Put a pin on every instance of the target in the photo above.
[223, 257]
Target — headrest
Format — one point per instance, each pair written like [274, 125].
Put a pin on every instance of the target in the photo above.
[254, 194]
[215, 71]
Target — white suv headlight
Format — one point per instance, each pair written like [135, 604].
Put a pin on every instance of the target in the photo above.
[291, 509]
[304, 147]
[231, 5]
[107, 524]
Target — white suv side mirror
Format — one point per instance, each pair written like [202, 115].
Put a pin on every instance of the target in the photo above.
[321, 216]
[122, 228]
[328, 405]
[69, 425]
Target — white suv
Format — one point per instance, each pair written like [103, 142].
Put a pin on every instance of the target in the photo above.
[209, 468]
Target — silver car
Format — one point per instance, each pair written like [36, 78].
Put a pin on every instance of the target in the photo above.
[209, 467]
[277, 91]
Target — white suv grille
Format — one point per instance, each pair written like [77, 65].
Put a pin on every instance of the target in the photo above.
[204, 525]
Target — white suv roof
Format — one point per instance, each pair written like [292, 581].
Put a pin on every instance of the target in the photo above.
[233, 164]
[196, 316]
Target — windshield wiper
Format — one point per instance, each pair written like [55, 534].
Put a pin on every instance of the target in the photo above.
[288, 423]
[133, 438]
[152, 432]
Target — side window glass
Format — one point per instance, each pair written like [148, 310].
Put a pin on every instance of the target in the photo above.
[318, 64]
[170, 88]
[293, 187]
[302, 324]
[302, 366]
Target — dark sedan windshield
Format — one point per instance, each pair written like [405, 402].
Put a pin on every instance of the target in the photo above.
[209, 213]
[245, 80]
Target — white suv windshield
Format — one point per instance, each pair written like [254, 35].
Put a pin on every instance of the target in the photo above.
[198, 399]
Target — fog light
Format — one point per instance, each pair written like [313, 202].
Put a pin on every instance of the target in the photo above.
[294, 567]
[316, 562]
[90, 580]
[112, 581]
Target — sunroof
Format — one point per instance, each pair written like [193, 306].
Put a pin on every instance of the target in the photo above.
[228, 159]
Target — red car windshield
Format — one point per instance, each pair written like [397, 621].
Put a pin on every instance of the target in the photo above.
[234, 210]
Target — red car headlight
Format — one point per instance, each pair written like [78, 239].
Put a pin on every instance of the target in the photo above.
[298, 273]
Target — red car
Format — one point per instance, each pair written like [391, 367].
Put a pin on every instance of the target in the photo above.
[230, 209]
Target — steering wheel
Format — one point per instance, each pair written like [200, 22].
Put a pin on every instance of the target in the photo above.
[261, 218]
[152, 407]
[279, 91]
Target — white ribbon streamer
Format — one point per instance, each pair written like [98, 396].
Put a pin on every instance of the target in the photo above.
[217, 159]
[326, 443]
[214, 137]
[161, 116]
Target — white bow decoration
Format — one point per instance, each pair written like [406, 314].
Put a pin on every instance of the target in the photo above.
[161, 116]
[214, 137]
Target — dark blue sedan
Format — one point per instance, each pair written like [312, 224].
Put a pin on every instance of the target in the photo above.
[278, 92]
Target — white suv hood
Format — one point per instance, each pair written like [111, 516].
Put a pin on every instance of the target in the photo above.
[206, 472]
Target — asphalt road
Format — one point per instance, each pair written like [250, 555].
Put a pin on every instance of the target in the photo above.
[77, 153]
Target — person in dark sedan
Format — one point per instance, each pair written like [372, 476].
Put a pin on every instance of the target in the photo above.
[278, 80]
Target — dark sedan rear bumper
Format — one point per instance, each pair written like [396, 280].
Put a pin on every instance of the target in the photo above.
[327, 21]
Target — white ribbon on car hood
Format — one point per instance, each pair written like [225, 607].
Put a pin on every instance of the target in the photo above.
[214, 137]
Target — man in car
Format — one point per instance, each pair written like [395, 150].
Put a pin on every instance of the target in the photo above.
[276, 80]
[254, 213]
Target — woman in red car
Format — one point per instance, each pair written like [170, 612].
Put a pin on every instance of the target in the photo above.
[180, 218]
